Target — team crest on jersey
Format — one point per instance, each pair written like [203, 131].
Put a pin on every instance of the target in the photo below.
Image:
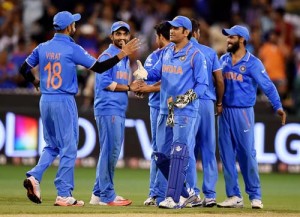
[242, 69]
[182, 58]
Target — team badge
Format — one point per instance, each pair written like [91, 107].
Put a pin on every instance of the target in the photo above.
[242, 69]
[182, 58]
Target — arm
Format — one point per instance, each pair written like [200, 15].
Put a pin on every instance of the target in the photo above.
[267, 86]
[124, 88]
[200, 74]
[150, 88]
[219, 82]
[127, 49]
[25, 71]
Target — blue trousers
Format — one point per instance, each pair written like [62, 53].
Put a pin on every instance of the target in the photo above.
[111, 136]
[236, 141]
[60, 127]
[153, 169]
[206, 146]
[182, 132]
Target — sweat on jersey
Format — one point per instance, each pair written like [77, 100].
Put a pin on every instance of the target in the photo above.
[109, 102]
[213, 64]
[242, 79]
[57, 60]
[179, 72]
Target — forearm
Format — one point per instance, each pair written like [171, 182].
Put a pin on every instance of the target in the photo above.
[25, 71]
[219, 91]
[150, 88]
[122, 88]
[100, 67]
[115, 87]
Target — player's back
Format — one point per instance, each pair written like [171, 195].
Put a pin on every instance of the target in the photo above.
[57, 66]
[57, 60]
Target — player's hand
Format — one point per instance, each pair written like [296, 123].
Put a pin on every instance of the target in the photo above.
[140, 73]
[170, 119]
[182, 100]
[282, 114]
[36, 84]
[136, 85]
[219, 109]
[131, 46]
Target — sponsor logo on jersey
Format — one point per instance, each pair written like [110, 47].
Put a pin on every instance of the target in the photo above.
[172, 69]
[233, 76]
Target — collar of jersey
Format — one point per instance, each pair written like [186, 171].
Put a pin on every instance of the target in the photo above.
[183, 51]
[244, 59]
[63, 37]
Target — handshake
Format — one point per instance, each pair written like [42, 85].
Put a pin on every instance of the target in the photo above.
[140, 73]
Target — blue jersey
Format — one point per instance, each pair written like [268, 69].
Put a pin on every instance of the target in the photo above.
[179, 72]
[213, 64]
[108, 102]
[57, 59]
[149, 63]
[242, 79]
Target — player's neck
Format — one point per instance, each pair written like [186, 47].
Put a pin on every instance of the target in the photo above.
[181, 44]
[239, 54]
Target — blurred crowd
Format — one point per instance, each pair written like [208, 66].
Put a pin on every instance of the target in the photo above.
[274, 27]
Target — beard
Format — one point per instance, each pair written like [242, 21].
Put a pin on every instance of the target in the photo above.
[234, 47]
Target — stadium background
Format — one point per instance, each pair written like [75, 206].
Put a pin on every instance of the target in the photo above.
[24, 24]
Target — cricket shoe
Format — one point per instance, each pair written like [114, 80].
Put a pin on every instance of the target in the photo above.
[168, 203]
[209, 202]
[95, 200]
[118, 201]
[256, 204]
[232, 202]
[68, 201]
[196, 202]
[151, 201]
[33, 189]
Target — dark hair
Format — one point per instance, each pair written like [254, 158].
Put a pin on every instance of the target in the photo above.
[195, 25]
[163, 29]
[190, 35]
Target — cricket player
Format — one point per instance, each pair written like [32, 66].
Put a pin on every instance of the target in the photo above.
[110, 104]
[243, 73]
[182, 71]
[57, 60]
[205, 125]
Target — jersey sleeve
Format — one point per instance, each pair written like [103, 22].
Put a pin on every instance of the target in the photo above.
[200, 73]
[33, 59]
[263, 80]
[215, 62]
[82, 57]
[106, 77]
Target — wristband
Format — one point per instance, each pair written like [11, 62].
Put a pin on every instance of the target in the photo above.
[128, 87]
[219, 104]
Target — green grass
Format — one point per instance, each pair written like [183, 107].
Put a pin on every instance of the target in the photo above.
[281, 193]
